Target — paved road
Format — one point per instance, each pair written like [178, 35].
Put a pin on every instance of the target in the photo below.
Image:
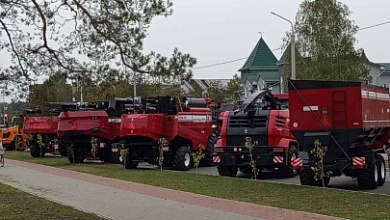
[117, 199]
[343, 182]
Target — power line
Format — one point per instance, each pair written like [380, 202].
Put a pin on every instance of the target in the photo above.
[226, 62]
[236, 60]
[375, 25]
[218, 64]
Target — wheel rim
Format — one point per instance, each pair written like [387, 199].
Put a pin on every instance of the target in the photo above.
[376, 174]
[383, 170]
[20, 146]
[187, 160]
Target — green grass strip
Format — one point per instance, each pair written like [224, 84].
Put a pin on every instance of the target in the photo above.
[16, 204]
[339, 203]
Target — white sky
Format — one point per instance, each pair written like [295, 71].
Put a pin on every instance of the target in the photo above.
[216, 31]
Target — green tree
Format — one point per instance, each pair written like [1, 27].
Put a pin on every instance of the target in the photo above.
[326, 42]
[216, 91]
[197, 90]
[53, 89]
[233, 89]
[87, 38]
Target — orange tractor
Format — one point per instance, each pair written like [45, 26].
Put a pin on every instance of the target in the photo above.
[12, 136]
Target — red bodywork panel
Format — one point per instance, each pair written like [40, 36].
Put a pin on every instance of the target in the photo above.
[40, 124]
[91, 123]
[278, 130]
[340, 108]
[193, 124]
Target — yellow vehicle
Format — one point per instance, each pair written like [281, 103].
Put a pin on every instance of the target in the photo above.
[12, 136]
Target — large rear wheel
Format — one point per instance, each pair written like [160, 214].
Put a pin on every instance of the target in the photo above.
[183, 158]
[207, 161]
[307, 177]
[75, 154]
[21, 146]
[368, 178]
[36, 151]
[381, 164]
[131, 161]
[288, 170]
[225, 170]
[10, 146]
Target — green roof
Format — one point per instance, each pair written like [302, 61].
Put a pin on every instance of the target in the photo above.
[285, 58]
[251, 77]
[269, 76]
[261, 58]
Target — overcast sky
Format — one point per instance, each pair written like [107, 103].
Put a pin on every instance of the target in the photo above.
[217, 31]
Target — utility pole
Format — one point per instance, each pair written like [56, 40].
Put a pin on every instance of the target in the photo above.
[135, 83]
[293, 68]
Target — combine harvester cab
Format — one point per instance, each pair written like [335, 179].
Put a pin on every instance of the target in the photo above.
[262, 119]
[89, 130]
[349, 120]
[185, 123]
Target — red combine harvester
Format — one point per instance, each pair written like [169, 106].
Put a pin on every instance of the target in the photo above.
[263, 118]
[352, 123]
[186, 123]
[89, 131]
[42, 131]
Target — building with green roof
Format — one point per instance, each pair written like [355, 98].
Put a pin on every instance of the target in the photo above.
[260, 69]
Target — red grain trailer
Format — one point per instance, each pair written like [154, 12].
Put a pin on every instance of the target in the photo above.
[350, 120]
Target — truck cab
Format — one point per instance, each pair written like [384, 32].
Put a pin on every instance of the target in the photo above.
[262, 121]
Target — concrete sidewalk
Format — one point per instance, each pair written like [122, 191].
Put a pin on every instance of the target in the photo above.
[117, 199]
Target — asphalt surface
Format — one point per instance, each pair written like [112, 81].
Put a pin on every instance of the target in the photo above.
[117, 199]
[342, 182]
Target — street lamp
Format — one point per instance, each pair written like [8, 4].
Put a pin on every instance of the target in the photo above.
[293, 74]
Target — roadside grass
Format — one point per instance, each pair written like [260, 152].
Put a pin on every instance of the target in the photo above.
[16, 204]
[339, 203]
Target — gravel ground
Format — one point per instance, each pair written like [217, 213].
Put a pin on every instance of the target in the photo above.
[117, 199]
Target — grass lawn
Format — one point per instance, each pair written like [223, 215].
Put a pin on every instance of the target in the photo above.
[345, 204]
[16, 204]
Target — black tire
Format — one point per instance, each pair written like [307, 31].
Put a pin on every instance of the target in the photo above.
[230, 171]
[35, 150]
[105, 154]
[326, 181]
[306, 177]
[288, 171]
[368, 178]
[10, 146]
[381, 164]
[75, 154]
[131, 161]
[63, 151]
[21, 146]
[207, 161]
[183, 158]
